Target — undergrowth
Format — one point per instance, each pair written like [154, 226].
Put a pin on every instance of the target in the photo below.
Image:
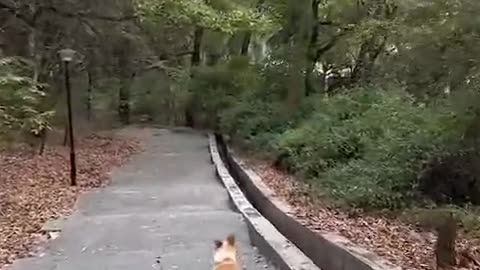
[369, 147]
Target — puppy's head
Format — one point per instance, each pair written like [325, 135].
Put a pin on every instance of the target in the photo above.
[225, 249]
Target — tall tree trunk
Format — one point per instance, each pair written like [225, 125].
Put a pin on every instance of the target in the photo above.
[312, 55]
[127, 73]
[195, 61]
[299, 24]
[296, 79]
[33, 46]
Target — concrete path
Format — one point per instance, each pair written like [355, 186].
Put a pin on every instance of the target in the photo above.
[162, 211]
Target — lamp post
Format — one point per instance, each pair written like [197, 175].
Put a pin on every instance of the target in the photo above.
[67, 56]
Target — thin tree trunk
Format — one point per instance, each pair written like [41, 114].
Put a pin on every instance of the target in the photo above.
[32, 45]
[89, 95]
[246, 43]
[123, 107]
[369, 52]
[197, 44]
[124, 102]
[65, 134]
[43, 141]
[35, 56]
[296, 85]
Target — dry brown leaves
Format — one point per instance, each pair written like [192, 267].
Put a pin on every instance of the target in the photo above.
[34, 189]
[399, 243]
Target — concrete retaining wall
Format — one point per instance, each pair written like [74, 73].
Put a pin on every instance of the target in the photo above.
[271, 243]
[327, 251]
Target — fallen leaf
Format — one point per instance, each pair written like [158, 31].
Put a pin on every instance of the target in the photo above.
[399, 243]
[35, 189]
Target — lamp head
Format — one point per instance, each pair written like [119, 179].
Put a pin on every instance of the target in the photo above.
[67, 55]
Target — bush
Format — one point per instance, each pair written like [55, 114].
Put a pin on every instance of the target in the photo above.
[216, 88]
[247, 100]
[328, 136]
[365, 147]
[368, 148]
[453, 178]
[254, 122]
[259, 115]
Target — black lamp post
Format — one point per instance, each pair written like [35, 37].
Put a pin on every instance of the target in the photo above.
[67, 56]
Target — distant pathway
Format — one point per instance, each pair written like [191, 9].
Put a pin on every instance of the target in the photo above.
[166, 203]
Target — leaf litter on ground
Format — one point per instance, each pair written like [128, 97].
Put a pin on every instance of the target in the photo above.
[35, 189]
[402, 244]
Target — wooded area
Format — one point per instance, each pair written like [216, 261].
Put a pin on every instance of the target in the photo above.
[374, 104]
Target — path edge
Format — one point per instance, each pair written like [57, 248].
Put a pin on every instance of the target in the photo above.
[327, 250]
[270, 242]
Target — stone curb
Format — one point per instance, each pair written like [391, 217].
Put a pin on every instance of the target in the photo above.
[327, 250]
[270, 242]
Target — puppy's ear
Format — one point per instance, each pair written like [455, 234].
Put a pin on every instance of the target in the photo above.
[231, 240]
[218, 244]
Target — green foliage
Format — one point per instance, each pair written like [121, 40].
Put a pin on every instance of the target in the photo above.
[259, 114]
[21, 99]
[161, 96]
[368, 148]
[256, 123]
[435, 47]
[216, 88]
[229, 17]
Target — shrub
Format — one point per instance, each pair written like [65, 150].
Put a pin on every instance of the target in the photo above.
[216, 88]
[255, 122]
[368, 148]
[258, 116]
[21, 99]
[453, 178]
[328, 136]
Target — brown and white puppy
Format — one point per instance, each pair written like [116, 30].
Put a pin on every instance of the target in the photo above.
[225, 257]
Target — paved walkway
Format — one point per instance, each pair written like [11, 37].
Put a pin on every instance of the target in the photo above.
[166, 203]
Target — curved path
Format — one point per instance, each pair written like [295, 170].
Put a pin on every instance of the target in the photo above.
[162, 211]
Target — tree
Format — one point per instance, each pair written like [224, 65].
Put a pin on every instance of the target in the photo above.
[204, 18]
[21, 100]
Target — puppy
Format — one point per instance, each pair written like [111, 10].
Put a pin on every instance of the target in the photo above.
[225, 256]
